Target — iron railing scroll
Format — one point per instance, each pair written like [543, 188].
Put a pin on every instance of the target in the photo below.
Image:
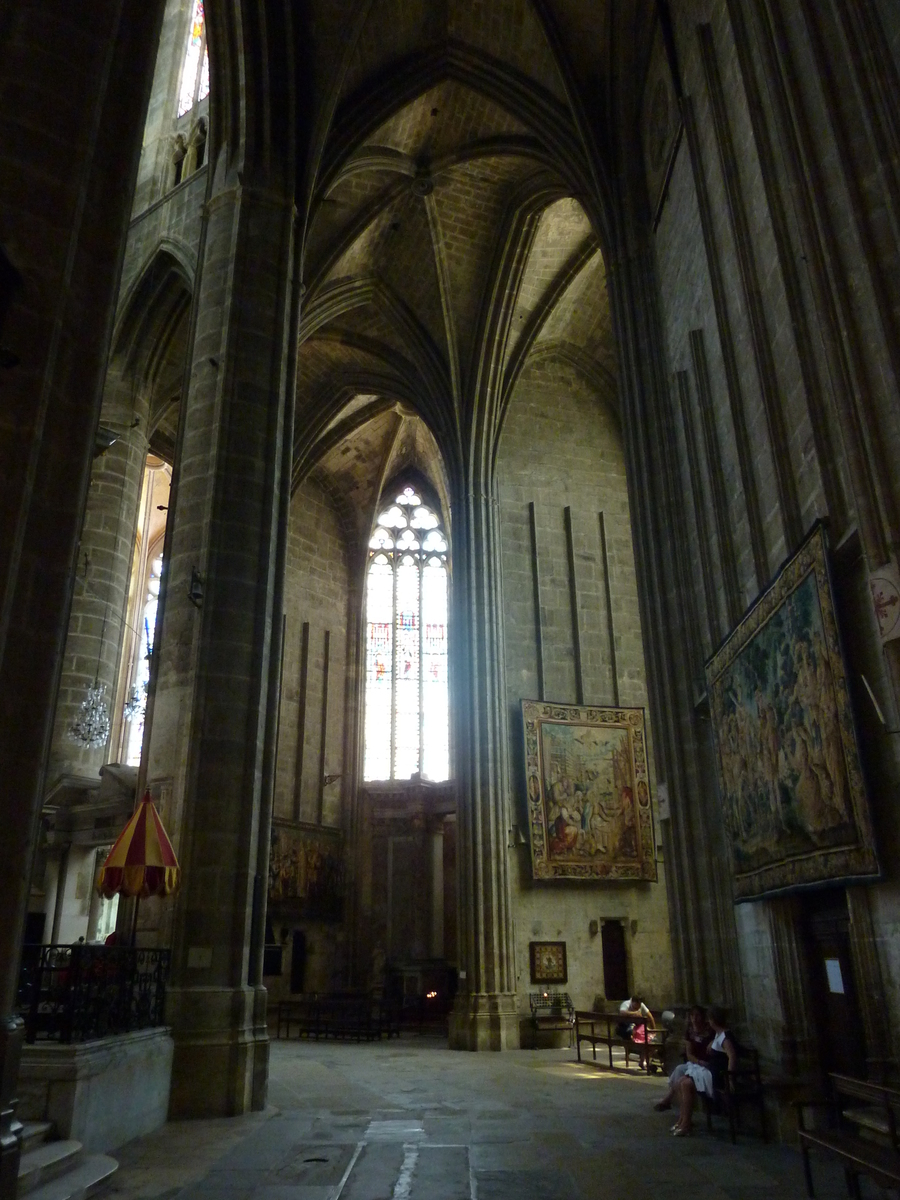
[81, 992]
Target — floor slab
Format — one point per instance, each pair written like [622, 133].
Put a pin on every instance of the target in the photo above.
[413, 1120]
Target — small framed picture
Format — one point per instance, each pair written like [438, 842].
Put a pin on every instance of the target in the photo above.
[548, 962]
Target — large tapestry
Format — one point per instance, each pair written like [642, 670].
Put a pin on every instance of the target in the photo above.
[588, 792]
[306, 870]
[789, 769]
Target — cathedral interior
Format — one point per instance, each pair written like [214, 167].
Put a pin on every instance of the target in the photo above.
[420, 419]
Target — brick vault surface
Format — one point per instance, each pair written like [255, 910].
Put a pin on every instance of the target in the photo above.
[412, 1120]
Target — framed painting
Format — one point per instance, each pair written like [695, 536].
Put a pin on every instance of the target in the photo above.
[588, 792]
[790, 778]
[548, 962]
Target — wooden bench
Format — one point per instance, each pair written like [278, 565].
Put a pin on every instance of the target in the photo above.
[862, 1133]
[324, 1015]
[741, 1087]
[552, 1011]
[599, 1028]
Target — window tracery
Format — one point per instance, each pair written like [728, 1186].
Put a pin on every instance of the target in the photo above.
[407, 703]
[195, 71]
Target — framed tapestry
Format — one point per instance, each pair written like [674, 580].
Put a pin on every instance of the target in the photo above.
[588, 792]
[548, 962]
[789, 771]
[306, 870]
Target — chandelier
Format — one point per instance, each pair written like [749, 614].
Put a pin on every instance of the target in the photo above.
[136, 705]
[91, 725]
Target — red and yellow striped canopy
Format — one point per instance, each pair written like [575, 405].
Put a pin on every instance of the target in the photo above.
[142, 862]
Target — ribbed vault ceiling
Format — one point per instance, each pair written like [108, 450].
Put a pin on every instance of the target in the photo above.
[445, 245]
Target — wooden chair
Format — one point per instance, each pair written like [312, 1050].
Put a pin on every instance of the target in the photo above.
[862, 1133]
[739, 1088]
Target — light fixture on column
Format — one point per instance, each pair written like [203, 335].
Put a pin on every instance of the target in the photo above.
[91, 726]
[195, 591]
[136, 704]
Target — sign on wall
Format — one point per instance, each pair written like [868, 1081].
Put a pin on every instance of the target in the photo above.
[884, 584]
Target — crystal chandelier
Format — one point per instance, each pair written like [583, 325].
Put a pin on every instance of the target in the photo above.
[91, 726]
[136, 704]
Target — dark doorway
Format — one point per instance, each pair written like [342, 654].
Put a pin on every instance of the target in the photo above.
[298, 961]
[10, 284]
[835, 1004]
[615, 962]
[34, 928]
[271, 952]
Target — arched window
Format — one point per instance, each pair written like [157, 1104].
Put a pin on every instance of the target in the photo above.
[136, 700]
[140, 617]
[195, 72]
[407, 709]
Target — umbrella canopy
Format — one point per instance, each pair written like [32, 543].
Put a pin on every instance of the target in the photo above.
[142, 862]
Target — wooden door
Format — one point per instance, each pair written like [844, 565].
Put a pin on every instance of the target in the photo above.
[835, 1007]
[615, 962]
[298, 960]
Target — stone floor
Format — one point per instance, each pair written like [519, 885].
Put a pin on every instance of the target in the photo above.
[412, 1120]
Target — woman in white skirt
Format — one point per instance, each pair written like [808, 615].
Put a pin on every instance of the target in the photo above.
[697, 1036]
[698, 1078]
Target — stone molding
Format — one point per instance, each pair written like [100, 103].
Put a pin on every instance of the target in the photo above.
[102, 1093]
[485, 1021]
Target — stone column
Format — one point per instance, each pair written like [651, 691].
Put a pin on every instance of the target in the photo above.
[213, 719]
[435, 835]
[869, 980]
[485, 1014]
[102, 577]
[799, 1053]
[62, 874]
[69, 146]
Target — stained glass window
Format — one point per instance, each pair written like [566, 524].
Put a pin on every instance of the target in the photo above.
[137, 704]
[407, 706]
[195, 72]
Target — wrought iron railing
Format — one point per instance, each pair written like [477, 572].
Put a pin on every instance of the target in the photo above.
[76, 993]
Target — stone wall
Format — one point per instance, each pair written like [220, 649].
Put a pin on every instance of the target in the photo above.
[102, 1093]
[155, 175]
[316, 594]
[775, 262]
[171, 224]
[560, 448]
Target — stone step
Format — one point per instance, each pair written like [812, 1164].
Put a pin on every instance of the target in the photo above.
[34, 1133]
[46, 1162]
[86, 1179]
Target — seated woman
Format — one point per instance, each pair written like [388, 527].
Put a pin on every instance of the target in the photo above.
[701, 1078]
[636, 1020]
[697, 1036]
